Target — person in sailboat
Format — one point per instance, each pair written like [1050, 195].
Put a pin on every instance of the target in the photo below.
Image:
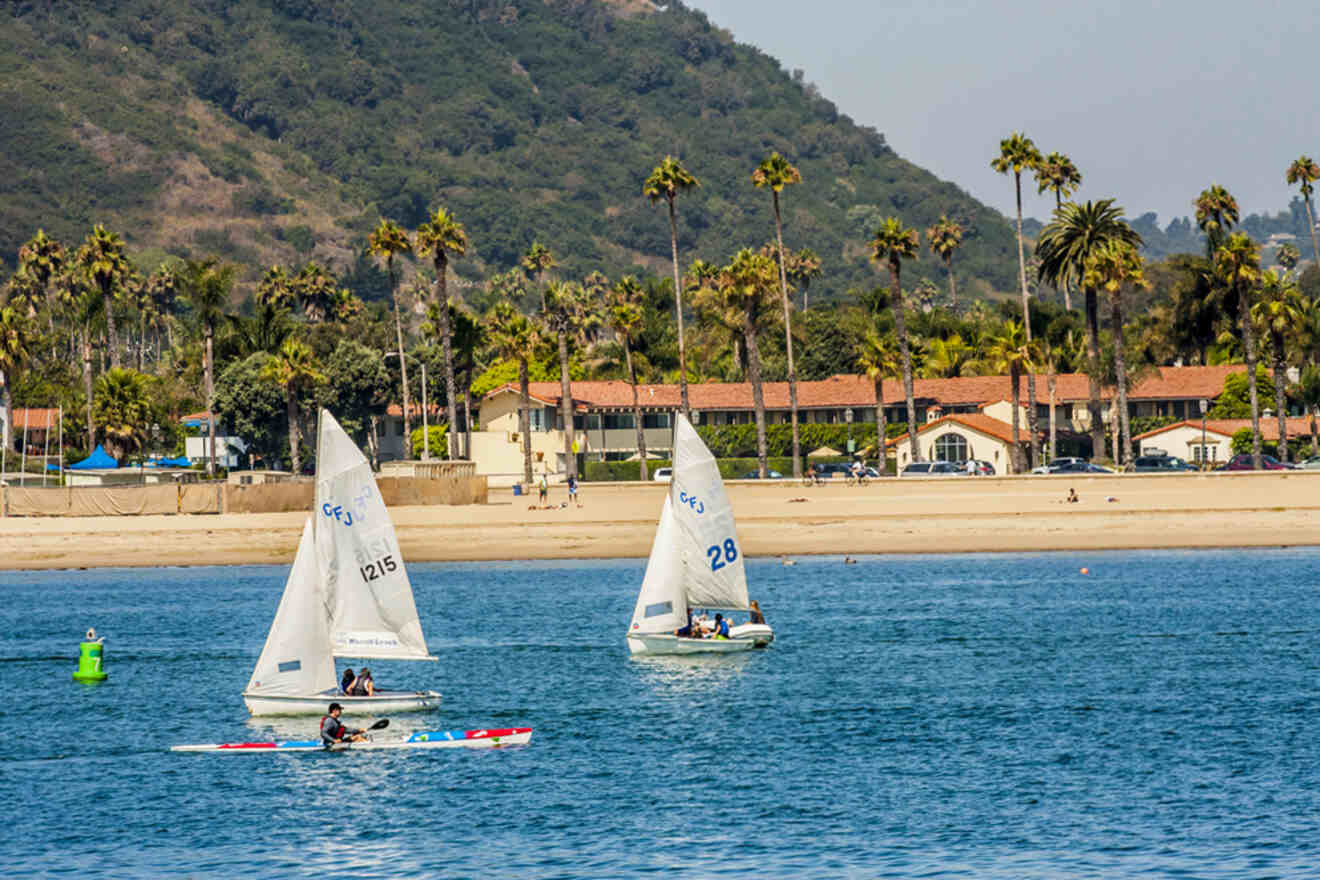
[754, 611]
[333, 730]
[346, 683]
[364, 686]
[721, 630]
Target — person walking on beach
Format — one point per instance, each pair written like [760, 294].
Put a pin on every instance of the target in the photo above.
[544, 488]
[333, 731]
[573, 490]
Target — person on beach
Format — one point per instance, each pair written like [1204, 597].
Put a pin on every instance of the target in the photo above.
[572, 490]
[1072, 496]
[333, 731]
[755, 612]
[346, 683]
[971, 467]
[544, 488]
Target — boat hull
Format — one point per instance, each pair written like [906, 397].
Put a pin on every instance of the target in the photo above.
[489, 738]
[383, 703]
[667, 643]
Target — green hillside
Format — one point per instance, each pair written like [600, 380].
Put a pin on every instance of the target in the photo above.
[272, 130]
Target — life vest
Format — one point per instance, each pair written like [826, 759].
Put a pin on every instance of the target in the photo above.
[337, 732]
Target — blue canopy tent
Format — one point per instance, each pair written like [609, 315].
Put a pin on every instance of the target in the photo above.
[98, 460]
[180, 462]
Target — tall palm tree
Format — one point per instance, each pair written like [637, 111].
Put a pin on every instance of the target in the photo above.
[944, 237]
[389, 241]
[163, 290]
[15, 350]
[514, 337]
[42, 259]
[469, 335]
[1288, 256]
[85, 308]
[879, 358]
[123, 410]
[565, 305]
[775, 172]
[536, 263]
[624, 315]
[1076, 232]
[1304, 171]
[102, 258]
[1238, 263]
[1009, 351]
[893, 243]
[206, 284]
[441, 236]
[296, 370]
[1114, 268]
[276, 289]
[1058, 173]
[1309, 390]
[1017, 154]
[747, 283]
[1216, 215]
[666, 181]
[803, 266]
[1279, 312]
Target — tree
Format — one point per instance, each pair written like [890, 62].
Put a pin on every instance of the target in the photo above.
[356, 387]
[441, 236]
[296, 371]
[666, 181]
[1279, 312]
[1017, 154]
[1304, 171]
[536, 263]
[514, 338]
[276, 289]
[893, 243]
[102, 258]
[206, 284]
[563, 311]
[803, 266]
[1237, 262]
[776, 173]
[252, 407]
[1075, 233]
[624, 315]
[42, 259]
[123, 411]
[1009, 351]
[15, 350]
[1058, 173]
[1114, 268]
[1309, 391]
[944, 237]
[388, 241]
[1216, 214]
[747, 283]
[879, 358]
[1288, 256]
[162, 289]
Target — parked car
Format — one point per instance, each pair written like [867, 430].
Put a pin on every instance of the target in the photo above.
[1243, 462]
[1057, 465]
[831, 469]
[1312, 463]
[983, 468]
[1155, 464]
[663, 475]
[932, 469]
[756, 475]
[1082, 467]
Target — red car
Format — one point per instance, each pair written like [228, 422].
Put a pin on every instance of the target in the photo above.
[1243, 462]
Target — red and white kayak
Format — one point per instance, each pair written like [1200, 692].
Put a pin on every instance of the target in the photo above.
[487, 738]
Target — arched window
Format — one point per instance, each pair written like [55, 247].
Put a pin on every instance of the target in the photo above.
[951, 447]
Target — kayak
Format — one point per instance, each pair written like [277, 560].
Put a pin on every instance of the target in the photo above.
[491, 738]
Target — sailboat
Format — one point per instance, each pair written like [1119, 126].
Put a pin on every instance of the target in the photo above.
[696, 561]
[348, 595]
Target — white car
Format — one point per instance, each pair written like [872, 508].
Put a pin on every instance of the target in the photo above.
[663, 475]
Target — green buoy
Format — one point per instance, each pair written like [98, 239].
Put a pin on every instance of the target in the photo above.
[89, 659]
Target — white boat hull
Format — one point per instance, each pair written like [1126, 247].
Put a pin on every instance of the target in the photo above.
[741, 638]
[436, 739]
[383, 703]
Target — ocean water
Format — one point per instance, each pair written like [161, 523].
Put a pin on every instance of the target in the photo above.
[918, 716]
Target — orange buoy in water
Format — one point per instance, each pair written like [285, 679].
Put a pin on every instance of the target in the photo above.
[1086, 571]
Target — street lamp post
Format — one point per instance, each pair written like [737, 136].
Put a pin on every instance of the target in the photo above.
[848, 417]
[426, 430]
[1203, 404]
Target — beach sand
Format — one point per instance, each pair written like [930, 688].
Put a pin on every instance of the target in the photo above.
[780, 517]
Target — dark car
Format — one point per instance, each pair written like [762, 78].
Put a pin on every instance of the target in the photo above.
[830, 469]
[1081, 467]
[931, 469]
[1243, 462]
[756, 475]
[1156, 464]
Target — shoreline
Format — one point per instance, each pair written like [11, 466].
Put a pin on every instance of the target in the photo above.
[780, 518]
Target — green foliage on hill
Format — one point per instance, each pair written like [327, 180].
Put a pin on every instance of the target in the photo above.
[265, 129]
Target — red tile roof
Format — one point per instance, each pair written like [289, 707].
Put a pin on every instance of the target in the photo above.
[1298, 426]
[35, 419]
[414, 409]
[979, 422]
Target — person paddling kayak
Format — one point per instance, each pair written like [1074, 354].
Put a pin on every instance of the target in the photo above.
[333, 731]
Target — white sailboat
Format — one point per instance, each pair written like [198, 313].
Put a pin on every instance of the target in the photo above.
[348, 595]
[696, 560]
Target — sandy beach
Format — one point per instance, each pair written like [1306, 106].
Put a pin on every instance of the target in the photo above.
[774, 518]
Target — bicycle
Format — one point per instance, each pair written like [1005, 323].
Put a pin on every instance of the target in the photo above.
[856, 480]
[813, 480]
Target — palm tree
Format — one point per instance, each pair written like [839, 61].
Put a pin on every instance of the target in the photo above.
[102, 258]
[162, 289]
[879, 358]
[1303, 170]
[317, 290]
[42, 259]
[1058, 173]
[1288, 256]
[1238, 263]
[123, 410]
[624, 315]
[469, 335]
[803, 266]
[536, 262]
[776, 173]
[514, 338]
[15, 350]
[389, 240]
[893, 243]
[666, 181]
[747, 283]
[276, 289]
[944, 237]
[441, 236]
[1009, 351]
[565, 305]
[1309, 390]
[1279, 312]
[1216, 214]
[295, 370]
[84, 306]
[1075, 233]
[207, 283]
[1113, 268]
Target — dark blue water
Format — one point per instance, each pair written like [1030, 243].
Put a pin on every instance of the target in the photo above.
[927, 716]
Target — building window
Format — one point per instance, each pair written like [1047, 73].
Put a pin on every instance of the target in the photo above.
[1207, 453]
[618, 421]
[951, 447]
[655, 420]
[537, 419]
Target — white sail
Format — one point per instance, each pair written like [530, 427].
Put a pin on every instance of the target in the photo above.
[707, 543]
[372, 613]
[661, 605]
[296, 658]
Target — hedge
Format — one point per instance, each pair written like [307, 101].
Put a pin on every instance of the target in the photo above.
[730, 468]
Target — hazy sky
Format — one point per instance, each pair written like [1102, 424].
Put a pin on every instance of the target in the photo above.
[1153, 101]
